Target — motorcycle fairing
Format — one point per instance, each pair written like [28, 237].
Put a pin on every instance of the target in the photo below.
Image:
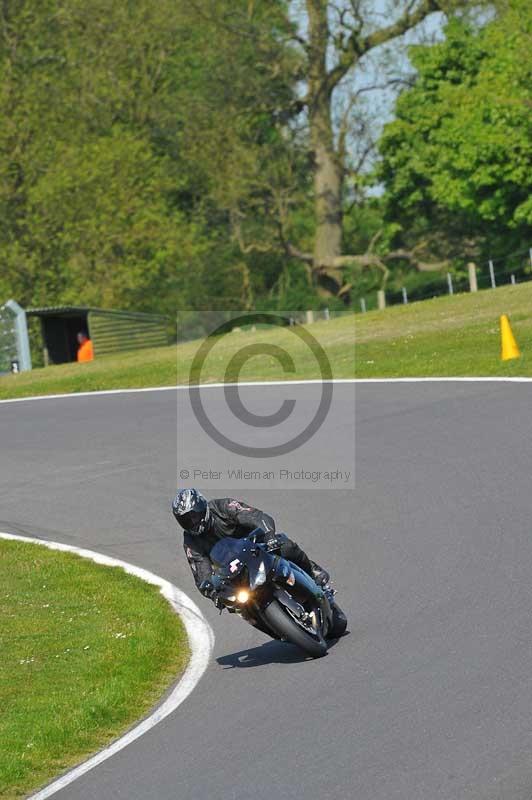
[230, 556]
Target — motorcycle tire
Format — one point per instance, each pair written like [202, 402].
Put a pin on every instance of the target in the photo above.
[288, 629]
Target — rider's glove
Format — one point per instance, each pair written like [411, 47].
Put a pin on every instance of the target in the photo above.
[207, 589]
[272, 541]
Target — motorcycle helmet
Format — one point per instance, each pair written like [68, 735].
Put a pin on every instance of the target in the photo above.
[191, 510]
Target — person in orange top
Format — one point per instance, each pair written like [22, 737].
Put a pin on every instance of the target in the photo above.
[85, 351]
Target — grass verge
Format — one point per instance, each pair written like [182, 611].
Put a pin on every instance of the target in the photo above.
[446, 336]
[86, 651]
[167, 366]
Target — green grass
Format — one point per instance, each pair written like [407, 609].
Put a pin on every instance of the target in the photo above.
[446, 336]
[167, 366]
[86, 651]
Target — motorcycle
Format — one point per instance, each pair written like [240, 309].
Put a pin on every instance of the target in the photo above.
[275, 595]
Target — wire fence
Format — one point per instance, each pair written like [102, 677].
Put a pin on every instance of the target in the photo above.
[512, 269]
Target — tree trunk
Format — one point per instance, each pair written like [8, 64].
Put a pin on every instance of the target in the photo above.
[328, 181]
[328, 172]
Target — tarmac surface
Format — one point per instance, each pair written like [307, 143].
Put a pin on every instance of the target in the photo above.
[429, 696]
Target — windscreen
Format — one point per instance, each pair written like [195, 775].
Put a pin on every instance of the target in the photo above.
[226, 553]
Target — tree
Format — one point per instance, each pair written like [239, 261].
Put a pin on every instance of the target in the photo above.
[242, 137]
[457, 161]
[102, 190]
[330, 42]
[163, 151]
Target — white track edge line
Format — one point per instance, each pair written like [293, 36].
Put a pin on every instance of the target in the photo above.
[104, 392]
[201, 642]
[178, 388]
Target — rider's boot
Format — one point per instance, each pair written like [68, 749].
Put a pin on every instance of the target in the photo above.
[320, 575]
[290, 550]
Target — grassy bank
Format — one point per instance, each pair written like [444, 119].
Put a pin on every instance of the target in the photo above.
[86, 651]
[167, 366]
[447, 336]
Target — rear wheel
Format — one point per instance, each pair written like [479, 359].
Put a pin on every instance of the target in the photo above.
[288, 628]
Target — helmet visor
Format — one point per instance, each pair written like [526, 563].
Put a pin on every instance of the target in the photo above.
[192, 521]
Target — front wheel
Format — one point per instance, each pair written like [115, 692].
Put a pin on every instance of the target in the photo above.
[289, 629]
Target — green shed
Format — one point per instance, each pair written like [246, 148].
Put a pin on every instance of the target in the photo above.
[110, 331]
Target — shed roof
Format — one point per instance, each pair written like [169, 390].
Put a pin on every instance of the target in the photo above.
[76, 311]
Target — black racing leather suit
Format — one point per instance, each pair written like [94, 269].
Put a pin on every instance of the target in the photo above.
[234, 518]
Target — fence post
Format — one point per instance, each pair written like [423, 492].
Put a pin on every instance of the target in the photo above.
[512, 279]
[450, 282]
[472, 269]
[310, 317]
[326, 314]
[405, 296]
[381, 299]
[21, 333]
[492, 275]
[530, 254]
[363, 304]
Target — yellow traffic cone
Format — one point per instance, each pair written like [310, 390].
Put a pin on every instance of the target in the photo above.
[509, 348]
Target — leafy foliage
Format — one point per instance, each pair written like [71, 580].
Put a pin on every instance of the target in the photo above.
[457, 160]
[132, 134]
[160, 155]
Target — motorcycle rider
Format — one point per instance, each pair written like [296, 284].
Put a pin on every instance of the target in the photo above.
[205, 522]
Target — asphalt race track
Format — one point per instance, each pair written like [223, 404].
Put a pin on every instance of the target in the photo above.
[429, 697]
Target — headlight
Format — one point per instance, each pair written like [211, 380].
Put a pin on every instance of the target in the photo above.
[261, 576]
[242, 596]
